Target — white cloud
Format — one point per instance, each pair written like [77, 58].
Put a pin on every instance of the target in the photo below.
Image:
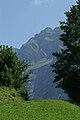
[52, 0]
[39, 2]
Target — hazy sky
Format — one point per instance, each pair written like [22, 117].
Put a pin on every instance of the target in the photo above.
[22, 19]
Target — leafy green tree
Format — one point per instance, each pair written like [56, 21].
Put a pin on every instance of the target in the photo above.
[12, 71]
[67, 66]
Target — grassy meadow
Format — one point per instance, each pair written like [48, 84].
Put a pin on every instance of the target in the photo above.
[12, 107]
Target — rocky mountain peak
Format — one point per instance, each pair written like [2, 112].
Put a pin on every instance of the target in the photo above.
[38, 52]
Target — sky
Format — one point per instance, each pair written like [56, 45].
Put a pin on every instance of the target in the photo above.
[22, 19]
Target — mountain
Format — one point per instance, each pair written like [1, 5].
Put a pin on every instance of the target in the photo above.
[38, 52]
[41, 45]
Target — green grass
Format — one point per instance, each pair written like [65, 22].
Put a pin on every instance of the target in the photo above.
[9, 94]
[38, 110]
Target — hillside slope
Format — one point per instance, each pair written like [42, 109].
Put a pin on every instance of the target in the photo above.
[12, 107]
[39, 110]
[9, 94]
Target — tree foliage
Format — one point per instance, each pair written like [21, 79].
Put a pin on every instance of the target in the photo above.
[12, 71]
[67, 66]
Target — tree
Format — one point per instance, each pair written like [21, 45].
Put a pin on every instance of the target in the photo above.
[12, 71]
[67, 66]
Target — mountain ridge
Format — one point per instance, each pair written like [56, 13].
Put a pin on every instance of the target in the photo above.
[38, 52]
